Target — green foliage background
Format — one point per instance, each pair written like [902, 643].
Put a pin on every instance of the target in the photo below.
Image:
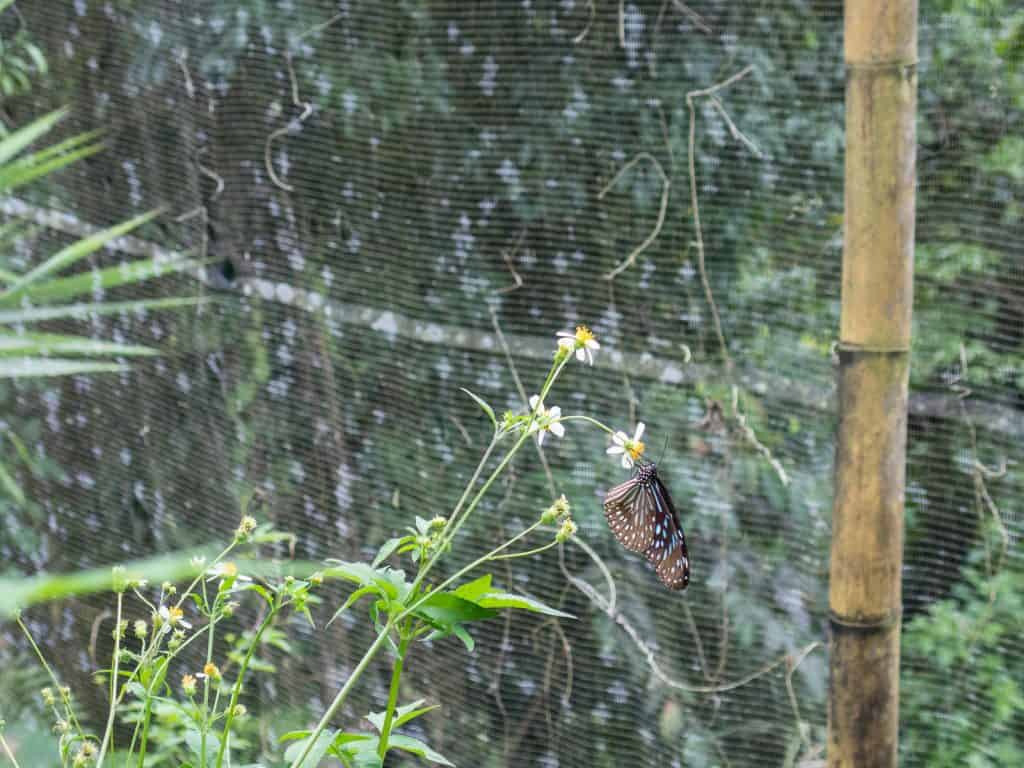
[451, 148]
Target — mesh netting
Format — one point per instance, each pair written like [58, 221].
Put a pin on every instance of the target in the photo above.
[401, 199]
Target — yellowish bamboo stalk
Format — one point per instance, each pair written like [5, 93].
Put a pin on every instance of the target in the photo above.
[877, 301]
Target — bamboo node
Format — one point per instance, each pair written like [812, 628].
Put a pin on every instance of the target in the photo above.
[866, 625]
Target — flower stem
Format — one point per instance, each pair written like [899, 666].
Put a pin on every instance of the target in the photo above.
[237, 688]
[527, 553]
[205, 725]
[345, 691]
[114, 698]
[8, 752]
[53, 676]
[396, 676]
[589, 420]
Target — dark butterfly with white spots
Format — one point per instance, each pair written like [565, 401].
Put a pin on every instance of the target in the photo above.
[643, 518]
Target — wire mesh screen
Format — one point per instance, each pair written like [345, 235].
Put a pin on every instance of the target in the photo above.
[397, 200]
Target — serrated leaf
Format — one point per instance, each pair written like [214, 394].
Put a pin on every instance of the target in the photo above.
[486, 408]
[498, 600]
[417, 747]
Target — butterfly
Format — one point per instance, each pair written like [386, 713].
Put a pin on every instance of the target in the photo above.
[643, 518]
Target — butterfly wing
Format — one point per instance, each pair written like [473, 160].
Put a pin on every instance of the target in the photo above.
[667, 549]
[629, 510]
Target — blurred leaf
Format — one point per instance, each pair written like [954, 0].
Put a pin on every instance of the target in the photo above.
[483, 405]
[417, 747]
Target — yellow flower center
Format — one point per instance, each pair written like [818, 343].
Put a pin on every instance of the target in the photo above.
[228, 569]
[583, 334]
[210, 670]
[174, 615]
[635, 448]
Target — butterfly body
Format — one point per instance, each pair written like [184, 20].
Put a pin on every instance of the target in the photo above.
[643, 518]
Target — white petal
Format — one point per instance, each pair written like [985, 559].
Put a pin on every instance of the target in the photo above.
[540, 437]
[620, 438]
[567, 334]
[557, 429]
[627, 461]
[534, 399]
[592, 344]
[640, 427]
[590, 355]
[567, 342]
[613, 449]
[555, 412]
[580, 355]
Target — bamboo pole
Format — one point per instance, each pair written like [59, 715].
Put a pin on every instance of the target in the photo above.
[877, 299]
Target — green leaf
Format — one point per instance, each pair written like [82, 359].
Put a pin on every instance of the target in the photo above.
[315, 754]
[446, 609]
[463, 634]
[353, 599]
[387, 549]
[73, 253]
[86, 311]
[194, 740]
[13, 144]
[496, 600]
[486, 408]
[20, 592]
[10, 485]
[390, 581]
[24, 344]
[418, 748]
[37, 367]
[59, 289]
[475, 589]
[403, 714]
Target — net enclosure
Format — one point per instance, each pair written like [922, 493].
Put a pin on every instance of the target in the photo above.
[396, 200]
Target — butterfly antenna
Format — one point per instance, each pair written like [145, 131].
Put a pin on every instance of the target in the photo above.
[664, 448]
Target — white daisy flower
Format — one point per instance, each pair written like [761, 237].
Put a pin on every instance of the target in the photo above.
[226, 570]
[582, 342]
[173, 616]
[545, 420]
[631, 448]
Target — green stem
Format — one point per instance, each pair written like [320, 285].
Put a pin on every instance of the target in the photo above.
[205, 727]
[588, 419]
[8, 752]
[53, 677]
[237, 688]
[345, 691]
[109, 731]
[145, 733]
[146, 658]
[451, 519]
[396, 676]
[527, 553]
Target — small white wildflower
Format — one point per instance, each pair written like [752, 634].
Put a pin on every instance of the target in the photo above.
[630, 447]
[582, 342]
[545, 420]
[173, 616]
[226, 570]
